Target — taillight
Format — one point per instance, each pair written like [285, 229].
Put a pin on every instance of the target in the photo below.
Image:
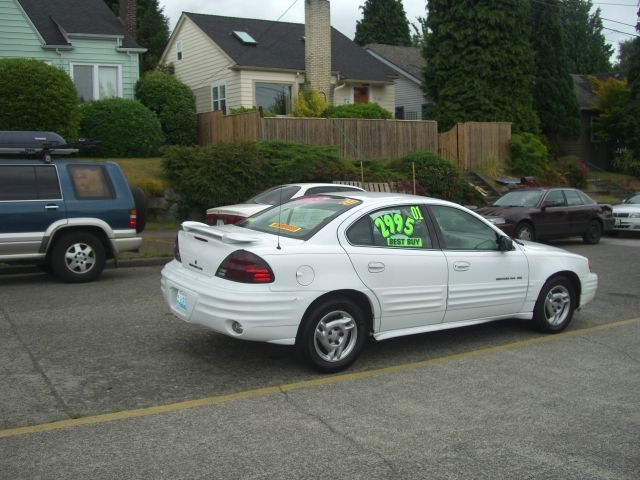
[218, 218]
[133, 218]
[245, 267]
[176, 250]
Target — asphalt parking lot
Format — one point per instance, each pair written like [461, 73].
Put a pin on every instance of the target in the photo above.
[99, 381]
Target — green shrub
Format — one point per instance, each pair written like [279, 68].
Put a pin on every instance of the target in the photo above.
[237, 110]
[438, 177]
[529, 155]
[310, 103]
[358, 110]
[173, 102]
[37, 96]
[125, 128]
[574, 171]
[625, 163]
[229, 173]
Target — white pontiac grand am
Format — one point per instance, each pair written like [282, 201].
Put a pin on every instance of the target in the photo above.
[325, 272]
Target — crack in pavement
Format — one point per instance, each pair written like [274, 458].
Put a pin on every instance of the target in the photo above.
[52, 389]
[336, 432]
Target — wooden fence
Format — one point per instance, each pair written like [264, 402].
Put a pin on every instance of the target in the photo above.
[467, 145]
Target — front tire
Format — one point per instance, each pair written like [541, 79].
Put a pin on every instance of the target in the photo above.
[77, 257]
[555, 306]
[593, 233]
[333, 335]
[525, 231]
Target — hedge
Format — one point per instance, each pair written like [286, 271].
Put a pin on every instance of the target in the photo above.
[125, 128]
[173, 102]
[37, 96]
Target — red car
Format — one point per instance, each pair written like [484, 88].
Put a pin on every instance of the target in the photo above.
[547, 213]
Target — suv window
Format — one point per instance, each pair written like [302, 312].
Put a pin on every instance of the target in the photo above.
[395, 227]
[90, 182]
[29, 182]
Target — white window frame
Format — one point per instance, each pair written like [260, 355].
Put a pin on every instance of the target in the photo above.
[179, 51]
[96, 82]
[225, 98]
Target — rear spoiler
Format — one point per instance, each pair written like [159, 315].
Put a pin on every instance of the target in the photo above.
[219, 233]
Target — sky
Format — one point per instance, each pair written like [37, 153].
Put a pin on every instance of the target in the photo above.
[345, 13]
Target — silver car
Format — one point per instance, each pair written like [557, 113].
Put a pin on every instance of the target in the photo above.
[627, 215]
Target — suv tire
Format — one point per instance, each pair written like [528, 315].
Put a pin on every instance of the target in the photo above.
[77, 257]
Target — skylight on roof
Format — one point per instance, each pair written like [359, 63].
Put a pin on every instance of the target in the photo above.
[244, 37]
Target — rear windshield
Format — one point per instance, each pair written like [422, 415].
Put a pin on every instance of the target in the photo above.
[275, 195]
[300, 218]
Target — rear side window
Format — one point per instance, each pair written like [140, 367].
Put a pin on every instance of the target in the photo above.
[29, 182]
[90, 182]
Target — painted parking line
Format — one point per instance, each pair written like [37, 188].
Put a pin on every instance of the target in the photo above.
[326, 380]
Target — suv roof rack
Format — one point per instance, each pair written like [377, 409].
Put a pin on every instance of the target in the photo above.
[35, 143]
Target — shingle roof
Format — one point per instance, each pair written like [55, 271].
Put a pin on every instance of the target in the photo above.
[92, 17]
[281, 46]
[409, 59]
[583, 89]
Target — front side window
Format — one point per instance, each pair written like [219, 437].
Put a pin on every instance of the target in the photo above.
[90, 182]
[555, 198]
[396, 227]
[274, 98]
[462, 231]
[573, 198]
[94, 82]
[29, 182]
[219, 98]
[300, 218]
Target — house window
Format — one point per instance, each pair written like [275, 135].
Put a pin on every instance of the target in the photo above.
[94, 82]
[274, 98]
[179, 50]
[219, 98]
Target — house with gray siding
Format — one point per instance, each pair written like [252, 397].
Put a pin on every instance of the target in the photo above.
[82, 37]
[409, 65]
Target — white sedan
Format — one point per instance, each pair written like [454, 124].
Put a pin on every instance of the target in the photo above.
[325, 272]
[627, 215]
[229, 214]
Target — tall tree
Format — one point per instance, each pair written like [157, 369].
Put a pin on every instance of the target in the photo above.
[480, 62]
[587, 49]
[383, 21]
[152, 30]
[553, 93]
[633, 109]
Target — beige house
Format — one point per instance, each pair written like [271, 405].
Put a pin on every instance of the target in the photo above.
[239, 62]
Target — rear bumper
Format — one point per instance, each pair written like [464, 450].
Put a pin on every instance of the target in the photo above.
[126, 244]
[263, 314]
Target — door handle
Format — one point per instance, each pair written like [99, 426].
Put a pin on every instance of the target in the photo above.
[376, 267]
[461, 266]
[51, 207]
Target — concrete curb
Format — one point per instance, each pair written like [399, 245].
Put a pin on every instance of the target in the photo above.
[130, 262]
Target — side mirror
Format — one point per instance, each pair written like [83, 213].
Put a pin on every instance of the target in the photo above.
[505, 244]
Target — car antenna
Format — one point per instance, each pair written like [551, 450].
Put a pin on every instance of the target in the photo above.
[279, 214]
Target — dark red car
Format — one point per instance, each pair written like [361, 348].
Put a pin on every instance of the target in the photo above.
[546, 213]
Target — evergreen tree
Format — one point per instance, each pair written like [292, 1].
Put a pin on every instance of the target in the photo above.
[633, 109]
[553, 93]
[152, 30]
[480, 62]
[383, 21]
[587, 49]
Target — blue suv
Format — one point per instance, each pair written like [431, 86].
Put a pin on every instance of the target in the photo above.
[68, 215]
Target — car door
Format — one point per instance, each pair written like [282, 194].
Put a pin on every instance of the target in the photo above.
[578, 214]
[395, 254]
[483, 281]
[30, 201]
[552, 220]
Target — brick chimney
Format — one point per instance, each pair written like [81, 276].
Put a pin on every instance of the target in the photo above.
[317, 47]
[128, 10]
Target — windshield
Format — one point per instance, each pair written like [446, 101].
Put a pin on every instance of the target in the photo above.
[634, 199]
[521, 198]
[275, 195]
[300, 218]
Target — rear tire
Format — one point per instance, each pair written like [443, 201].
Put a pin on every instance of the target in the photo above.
[77, 257]
[333, 335]
[555, 306]
[593, 233]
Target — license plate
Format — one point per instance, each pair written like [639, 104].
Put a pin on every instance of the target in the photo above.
[181, 300]
[618, 222]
